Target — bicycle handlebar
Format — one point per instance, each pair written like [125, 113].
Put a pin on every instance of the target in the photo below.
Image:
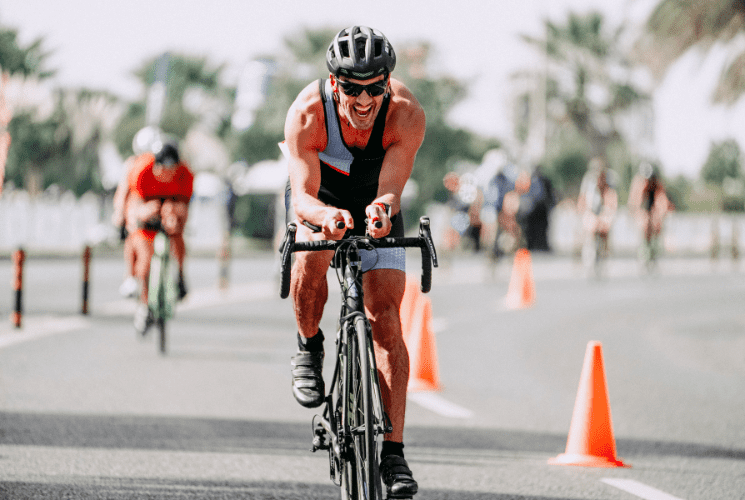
[423, 242]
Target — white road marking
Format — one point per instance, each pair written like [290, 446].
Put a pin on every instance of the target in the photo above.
[639, 489]
[439, 405]
[36, 327]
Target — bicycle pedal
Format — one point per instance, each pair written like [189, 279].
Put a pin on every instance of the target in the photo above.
[319, 440]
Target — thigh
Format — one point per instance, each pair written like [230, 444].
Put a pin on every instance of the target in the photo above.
[142, 249]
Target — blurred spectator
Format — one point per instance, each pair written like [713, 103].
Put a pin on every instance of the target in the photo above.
[597, 206]
[536, 209]
[465, 200]
[496, 190]
[515, 206]
[649, 205]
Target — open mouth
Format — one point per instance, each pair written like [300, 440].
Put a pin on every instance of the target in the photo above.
[363, 111]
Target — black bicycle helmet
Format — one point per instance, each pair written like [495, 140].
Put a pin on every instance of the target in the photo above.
[166, 153]
[360, 52]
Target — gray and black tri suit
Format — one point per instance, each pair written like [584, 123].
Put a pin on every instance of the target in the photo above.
[350, 175]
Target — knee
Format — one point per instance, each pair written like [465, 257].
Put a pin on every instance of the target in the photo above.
[386, 324]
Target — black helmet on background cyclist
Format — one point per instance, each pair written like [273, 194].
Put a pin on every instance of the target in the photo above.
[166, 152]
[360, 52]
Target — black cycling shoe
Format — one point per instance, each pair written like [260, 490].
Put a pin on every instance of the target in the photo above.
[307, 378]
[182, 291]
[397, 477]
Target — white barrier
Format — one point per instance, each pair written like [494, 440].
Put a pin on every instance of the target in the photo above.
[65, 224]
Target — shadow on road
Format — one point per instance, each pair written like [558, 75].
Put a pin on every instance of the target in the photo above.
[235, 436]
[121, 489]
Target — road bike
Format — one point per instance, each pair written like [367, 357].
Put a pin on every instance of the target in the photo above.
[162, 292]
[354, 419]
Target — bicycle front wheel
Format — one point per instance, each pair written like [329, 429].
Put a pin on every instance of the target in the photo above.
[363, 456]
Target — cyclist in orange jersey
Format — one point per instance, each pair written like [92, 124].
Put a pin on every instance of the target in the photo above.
[161, 187]
[122, 218]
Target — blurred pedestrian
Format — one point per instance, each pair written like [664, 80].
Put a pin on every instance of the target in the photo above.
[465, 201]
[540, 200]
[597, 205]
[498, 187]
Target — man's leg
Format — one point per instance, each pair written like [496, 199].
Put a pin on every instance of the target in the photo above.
[384, 290]
[142, 246]
[129, 287]
[178, 250]
[309, 291]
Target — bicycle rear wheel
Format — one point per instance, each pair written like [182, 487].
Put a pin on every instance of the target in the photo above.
[162, 334]
[360, 479]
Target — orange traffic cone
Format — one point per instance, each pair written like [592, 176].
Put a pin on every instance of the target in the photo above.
[521, 291]
[590, 442]
[416, 324]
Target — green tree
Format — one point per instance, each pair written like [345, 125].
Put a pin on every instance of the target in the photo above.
[28, 61]
[724, 161]
[194, 95]
[723, 171]
[677, 26]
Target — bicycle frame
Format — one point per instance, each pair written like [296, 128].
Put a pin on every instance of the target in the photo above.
[355, 377]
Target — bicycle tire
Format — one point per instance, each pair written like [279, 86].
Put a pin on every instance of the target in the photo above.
[362, 418]
[346, 470]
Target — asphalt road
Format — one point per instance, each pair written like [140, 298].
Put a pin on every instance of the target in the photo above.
[88, 410]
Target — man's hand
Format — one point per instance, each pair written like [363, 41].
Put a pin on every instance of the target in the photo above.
[148, 210]
[330, 227]
[174, 215]
[378, 222]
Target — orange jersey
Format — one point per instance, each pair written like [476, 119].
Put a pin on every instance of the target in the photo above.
[143, 181]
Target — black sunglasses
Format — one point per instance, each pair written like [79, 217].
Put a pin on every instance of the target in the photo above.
[355, 89]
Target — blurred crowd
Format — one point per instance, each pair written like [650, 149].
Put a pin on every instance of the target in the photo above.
[499, 207]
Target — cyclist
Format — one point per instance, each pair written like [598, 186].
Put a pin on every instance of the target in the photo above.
[597, 205]
[121, 218]
[648, 203]
[161, 186]
[351, 141]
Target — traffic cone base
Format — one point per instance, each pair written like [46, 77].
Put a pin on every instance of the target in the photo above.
[521, 290]
[590, 442]
[585, 460]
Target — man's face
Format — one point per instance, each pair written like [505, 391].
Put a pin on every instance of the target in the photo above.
[361, 110]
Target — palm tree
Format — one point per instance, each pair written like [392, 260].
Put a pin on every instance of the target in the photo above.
[589, 91]
[675, 26]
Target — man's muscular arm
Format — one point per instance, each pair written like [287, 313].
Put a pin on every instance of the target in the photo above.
[404, 135]
[305, 137]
